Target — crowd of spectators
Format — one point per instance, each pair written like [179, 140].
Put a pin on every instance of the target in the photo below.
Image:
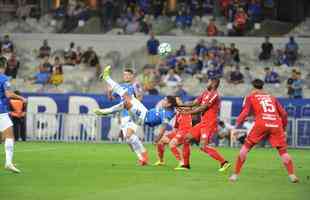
[208, 60]
[283, 56]
[8, 55]
[72, 14]
[50, 70]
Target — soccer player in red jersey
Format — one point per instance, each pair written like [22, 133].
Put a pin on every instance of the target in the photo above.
[270, 122]
[209, 105]
[175, 138]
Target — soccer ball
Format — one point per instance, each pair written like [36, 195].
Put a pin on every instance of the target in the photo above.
[164, 49]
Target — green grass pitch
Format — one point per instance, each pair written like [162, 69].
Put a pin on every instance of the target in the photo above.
[109, 172]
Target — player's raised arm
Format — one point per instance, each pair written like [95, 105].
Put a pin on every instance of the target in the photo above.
[246, 109]
[12, 95]
[283, 114]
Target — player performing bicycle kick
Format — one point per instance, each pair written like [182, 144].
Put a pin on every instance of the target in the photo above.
[138, 112]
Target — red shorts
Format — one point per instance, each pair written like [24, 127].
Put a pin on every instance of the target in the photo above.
[204, 131]
[272, 131]
[179, 135]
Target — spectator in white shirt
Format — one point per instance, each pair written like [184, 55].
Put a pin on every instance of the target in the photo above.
[172, 79]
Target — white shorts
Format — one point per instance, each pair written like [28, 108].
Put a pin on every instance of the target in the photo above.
[138, 111]
[127, 123]
[5, 122]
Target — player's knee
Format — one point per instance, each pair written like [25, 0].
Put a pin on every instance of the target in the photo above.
[286, 158]
[172, 144]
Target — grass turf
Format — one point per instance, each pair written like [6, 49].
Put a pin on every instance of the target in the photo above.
[108, 171]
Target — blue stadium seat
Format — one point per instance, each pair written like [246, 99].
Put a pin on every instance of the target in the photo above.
[305, 111]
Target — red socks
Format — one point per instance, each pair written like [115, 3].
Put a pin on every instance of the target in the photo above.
[212, 152]
[186, 153]
[176, 153]
[287, 162]
[160, 151]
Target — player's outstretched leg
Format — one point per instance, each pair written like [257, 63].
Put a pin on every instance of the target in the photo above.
[105, 76]
[178, 156]
[186, 154]
[160, 148]
[213, 153]
[240, 161]
[107, 111]
[9, 149]
[288, 163]
[137, 147]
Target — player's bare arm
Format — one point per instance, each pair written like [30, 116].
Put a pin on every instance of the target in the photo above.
[11, 95]
[196, 110]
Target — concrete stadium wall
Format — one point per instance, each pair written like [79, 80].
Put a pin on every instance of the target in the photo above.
[126, 44]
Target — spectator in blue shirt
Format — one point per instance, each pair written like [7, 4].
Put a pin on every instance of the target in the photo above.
[188, 19]
[236, 77]
[291, 51]
[296, 86]
[281, 58]
[271, 76]
[200, 48]
[180, 20]
[152, 45]
[152, 49]
[254, 11]
[181, 51]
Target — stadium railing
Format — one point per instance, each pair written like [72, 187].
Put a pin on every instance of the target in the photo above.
[90, 128]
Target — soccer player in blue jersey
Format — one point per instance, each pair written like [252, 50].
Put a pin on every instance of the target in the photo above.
[140, 114]
[128, 126]
[5, 121]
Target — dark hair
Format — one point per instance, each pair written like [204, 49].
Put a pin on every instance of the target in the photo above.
[266, 68]
[17, 92]
[218, 81]
[221, 123]
[258, 84]
[129, 70]
[172, 100]
[2, 62]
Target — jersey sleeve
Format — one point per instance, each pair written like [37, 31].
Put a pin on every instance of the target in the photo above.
[246, 109]
[283, 114]
[6, 85]
[167, 117]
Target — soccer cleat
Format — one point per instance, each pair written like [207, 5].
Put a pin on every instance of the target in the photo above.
[106, 73]
[142, 162]
[101, 112]
[293, 178]
[224, 166]
[159, 163]
[233, 178]
[12, 168]
[181, 167]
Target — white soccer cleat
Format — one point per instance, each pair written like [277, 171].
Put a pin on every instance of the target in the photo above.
[102, 112]
[12, 168]
[233, 178]
[293, 178]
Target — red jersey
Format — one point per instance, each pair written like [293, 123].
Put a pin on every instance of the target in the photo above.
[264, 107]
[183, 121]
[212, 99]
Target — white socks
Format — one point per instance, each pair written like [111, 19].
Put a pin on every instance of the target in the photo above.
[9, 148]
[116, 87]
[136, 145]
